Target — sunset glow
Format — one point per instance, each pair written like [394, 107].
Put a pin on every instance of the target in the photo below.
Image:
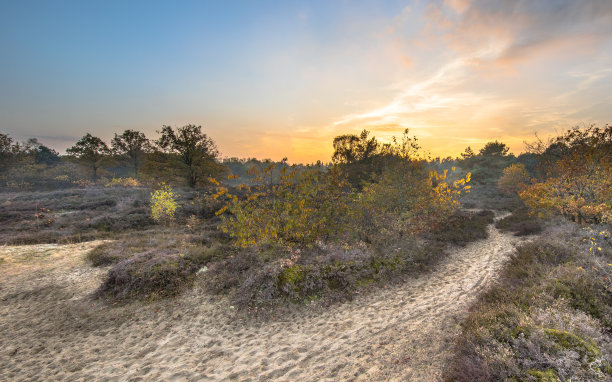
[283, 79]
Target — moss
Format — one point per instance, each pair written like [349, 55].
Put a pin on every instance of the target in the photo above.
[547, 375]
[364, 281]
[292, 277]
[571, 341]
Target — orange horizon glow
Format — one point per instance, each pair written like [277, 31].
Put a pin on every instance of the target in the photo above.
[282, 80]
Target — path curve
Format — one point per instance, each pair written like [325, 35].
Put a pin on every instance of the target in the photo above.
[51, 330]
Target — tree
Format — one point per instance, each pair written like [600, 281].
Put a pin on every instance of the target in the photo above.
[355, 156]
[90, 150]
[132, 145]
[468, 153]
[39, 152]
[350, 148]
[46, 155]
[514, 178]
[578, 179]
[8, 148]
[488, 164]
[494, 149]
[193, 151]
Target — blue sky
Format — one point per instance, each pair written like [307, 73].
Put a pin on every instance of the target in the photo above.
[282, 78]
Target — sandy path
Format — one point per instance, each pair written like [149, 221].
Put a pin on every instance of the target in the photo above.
[51, 330]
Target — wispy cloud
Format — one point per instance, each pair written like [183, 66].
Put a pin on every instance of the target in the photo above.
[499, 68]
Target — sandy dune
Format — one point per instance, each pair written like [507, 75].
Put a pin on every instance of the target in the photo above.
[51, 330]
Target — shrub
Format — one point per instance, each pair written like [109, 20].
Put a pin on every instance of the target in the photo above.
[464, 227]
[405, 200]
[148, 275]
[513, 179]
[123, 182]
[520, 222]
[106, 254]
[304, 207]
[578, 182]
[163, 204]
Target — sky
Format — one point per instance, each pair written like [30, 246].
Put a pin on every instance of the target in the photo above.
[274, 79]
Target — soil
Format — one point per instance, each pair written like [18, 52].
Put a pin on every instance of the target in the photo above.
[51, 328]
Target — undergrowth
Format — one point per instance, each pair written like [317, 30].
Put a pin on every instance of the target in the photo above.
[520, 223]
[268, 275]
[548, 318]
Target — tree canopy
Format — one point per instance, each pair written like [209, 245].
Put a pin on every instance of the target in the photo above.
[132, 145]
[192, 150]
[90, 150]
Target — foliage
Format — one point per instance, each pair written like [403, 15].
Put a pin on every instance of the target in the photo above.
[8, 147]
[163, 204]
[514, 178]
[302, 208]
[189, 151]
[317, 205]
[361, 158]
[487, 166]
[123, 182]
[90, 150]
[494, 149]
[579, 182]
[44, 154]
[350, 149]
[405, 200]
[468, 153]
[132, 145]
[313, 205]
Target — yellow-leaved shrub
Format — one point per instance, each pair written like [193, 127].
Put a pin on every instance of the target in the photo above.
[163, 204]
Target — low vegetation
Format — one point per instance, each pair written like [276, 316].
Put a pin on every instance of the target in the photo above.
[548, 318]
[268, 233]
[271, 275]
[521, 222]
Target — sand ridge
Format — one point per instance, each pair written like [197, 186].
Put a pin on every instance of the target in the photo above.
[52, 330]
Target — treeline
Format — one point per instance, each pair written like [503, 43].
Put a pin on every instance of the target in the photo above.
[183, 156]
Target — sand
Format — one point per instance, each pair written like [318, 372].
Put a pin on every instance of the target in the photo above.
[51, 329]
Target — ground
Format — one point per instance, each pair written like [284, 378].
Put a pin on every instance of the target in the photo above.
[51, 328]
